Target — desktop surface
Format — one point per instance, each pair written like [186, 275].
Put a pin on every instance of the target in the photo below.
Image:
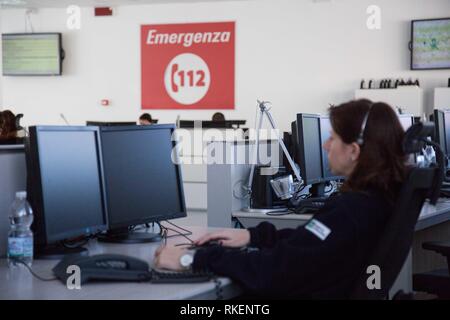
[20, 284]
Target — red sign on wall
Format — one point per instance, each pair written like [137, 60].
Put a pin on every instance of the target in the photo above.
[188, 66]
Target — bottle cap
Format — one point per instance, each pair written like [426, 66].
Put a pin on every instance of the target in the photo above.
[21, 195]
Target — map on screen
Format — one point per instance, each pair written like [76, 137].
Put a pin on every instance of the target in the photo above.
[430, 44]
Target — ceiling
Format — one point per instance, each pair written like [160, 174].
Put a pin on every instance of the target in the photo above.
[88, 3]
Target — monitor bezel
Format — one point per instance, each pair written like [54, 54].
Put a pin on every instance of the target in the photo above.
[183, 213]
[110, 123]
[60, 56]
[412, 41]
[33, 155]
[445, 113]
[438, 138]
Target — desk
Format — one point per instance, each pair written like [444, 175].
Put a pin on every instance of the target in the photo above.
[18, 283]
[429, 217]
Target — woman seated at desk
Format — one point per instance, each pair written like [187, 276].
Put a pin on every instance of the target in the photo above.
[324, 258]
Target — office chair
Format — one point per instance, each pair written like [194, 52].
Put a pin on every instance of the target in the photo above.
[436, 282]
[394, 245]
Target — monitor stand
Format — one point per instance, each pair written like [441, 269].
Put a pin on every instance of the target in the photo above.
[58, 252]
[129, 237]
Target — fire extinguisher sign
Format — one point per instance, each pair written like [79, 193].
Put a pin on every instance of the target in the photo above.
[188, 66]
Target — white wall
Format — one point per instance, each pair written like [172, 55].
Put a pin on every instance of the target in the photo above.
[299, 54]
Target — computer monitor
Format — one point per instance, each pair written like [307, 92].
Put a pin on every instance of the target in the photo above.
[307, 147]
[441, 120]
[143, 184]
[65, 186]
[406, 120]
[110, 124]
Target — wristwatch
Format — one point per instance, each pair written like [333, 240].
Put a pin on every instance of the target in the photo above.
[186, 259]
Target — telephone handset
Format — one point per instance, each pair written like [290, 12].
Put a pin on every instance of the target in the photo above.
[104, 267]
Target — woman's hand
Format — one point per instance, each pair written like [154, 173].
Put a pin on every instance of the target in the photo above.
[168, 257]
[234, 238]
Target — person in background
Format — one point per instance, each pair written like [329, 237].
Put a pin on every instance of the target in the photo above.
[145, 119]
[323, 258]
[218, 116]
[8, 128]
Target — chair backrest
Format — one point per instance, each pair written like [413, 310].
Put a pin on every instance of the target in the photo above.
[395, 242]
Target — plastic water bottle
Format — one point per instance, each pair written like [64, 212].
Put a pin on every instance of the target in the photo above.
[20, 236]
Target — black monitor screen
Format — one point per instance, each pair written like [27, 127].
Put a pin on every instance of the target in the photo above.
[447, 130]
[143, 184]
[70, 183]
[101, 124]
[439, 125]
[306, 136]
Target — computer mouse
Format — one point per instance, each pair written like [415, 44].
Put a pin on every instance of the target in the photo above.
[112, 267]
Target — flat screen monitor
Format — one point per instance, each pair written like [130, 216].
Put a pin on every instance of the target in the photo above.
[430, 48]
[307, 147]
[65, 182]
[32, 54]
[440, 129]
[143, 175]
[110, 124]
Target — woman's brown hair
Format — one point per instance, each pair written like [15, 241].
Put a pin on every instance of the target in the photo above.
[382, 162]
[8, 129]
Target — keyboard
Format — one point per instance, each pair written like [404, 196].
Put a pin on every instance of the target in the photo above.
[158, 276]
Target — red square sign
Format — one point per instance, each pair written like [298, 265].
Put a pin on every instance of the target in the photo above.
[188, 66]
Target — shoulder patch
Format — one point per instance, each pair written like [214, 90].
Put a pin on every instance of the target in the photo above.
[320, 230]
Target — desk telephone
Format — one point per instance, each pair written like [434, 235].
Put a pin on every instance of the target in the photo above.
[114, 267]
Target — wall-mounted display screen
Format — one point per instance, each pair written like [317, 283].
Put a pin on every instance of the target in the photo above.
[32, 54]
[430, 44]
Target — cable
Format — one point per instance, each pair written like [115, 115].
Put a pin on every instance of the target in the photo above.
[74, 246]
[329, 190]
[32, 272]
[178, 233]
[183, 244]
[75, 243]
[177, 226]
